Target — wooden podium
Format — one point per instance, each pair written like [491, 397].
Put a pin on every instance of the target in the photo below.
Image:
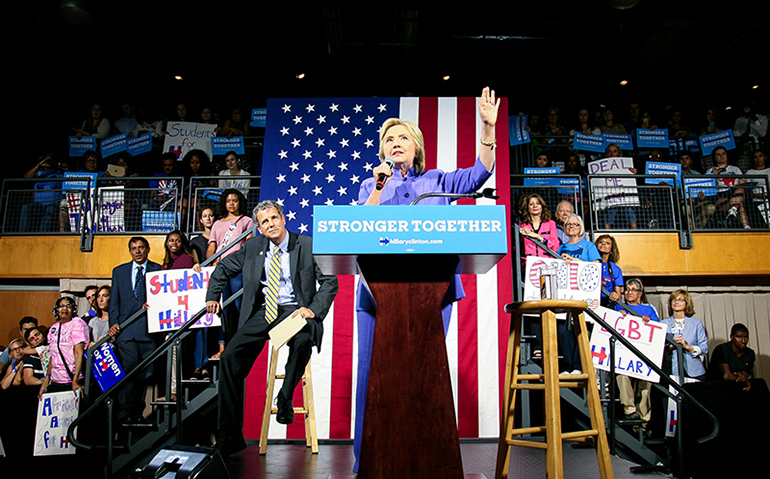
[410, 429]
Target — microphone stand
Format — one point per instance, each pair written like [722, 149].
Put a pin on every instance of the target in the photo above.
[485, 193]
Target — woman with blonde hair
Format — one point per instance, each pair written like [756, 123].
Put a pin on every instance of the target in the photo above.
[689, 332]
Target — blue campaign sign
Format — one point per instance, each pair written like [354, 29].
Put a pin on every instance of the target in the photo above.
[657, 168]
[78, 147]
[694, 185]
[107, 369]
[516, 132]
[585, 142]
[352, 230]
[220, 145]
[625, 142]
[139, 145]
[712, 140]
[114, 144]
[159, 221]
[541, 181]
[82, 184]
[258, 117]
[652, 138]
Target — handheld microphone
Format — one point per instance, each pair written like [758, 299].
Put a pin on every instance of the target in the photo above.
[383, 177]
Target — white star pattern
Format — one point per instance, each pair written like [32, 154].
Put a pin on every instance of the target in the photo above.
[300, 173]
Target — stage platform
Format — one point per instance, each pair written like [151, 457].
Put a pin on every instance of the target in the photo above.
[294, 461]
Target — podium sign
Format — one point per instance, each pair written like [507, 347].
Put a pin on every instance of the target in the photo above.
[477, 234]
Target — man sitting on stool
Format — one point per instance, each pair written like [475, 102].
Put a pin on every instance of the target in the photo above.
[279, 277]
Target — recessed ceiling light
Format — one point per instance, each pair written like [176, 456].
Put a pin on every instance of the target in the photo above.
[300, 76]
[624, 82]
[446, 77]
[177, 77]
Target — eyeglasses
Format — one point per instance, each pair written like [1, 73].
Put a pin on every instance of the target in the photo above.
[678, 300]
[572, 225]
[16, 349]
[632, 290]
[63, 306]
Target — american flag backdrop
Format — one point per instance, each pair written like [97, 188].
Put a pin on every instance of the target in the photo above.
[317, 152]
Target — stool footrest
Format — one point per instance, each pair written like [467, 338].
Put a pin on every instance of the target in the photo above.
[297, 410]
[569, 436]
[522, 443]
[528, 430]
[527, 386]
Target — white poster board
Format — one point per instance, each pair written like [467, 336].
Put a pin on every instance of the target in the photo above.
[648, 338]
[174, 295]
[183, 136]
[112, 210]
[611, 192]
[55, 413]
[578, 280]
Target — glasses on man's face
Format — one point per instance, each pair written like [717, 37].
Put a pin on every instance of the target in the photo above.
[16, 349]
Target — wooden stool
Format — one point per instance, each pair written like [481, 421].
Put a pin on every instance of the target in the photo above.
[308, 409]
[551, 384]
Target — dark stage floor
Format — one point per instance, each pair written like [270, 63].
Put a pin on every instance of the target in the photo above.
[295, 462]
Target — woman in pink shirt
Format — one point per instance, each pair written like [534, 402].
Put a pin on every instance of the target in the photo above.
[67, 339]
[537, 223]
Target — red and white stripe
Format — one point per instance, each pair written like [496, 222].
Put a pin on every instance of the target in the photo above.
[478, 333]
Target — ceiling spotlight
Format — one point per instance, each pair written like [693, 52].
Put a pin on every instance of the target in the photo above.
[446, 77]
[755, 87]
[177, 77]
[728, 108]
[624, 82]
[300, 76]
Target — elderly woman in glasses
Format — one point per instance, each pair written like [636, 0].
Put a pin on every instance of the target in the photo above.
[688, 332]
[576, 249]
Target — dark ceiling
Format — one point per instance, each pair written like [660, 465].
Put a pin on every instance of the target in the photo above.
[538, 54]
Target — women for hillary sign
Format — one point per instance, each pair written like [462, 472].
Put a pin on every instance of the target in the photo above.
[174, 296]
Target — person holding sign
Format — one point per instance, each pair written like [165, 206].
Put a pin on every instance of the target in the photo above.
[729, 200]
[689, 332]
[636, 404]
[612, 275]
[280, 277]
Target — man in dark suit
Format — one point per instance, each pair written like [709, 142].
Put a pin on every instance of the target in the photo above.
[133, 343]
[270, 294]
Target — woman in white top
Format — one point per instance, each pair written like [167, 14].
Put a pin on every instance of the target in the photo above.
[234, 169]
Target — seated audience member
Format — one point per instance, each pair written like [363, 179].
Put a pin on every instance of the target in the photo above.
[237, 125]
[685, 159]
[636, 401]
[575, 248]
[760, 191]
[233, 164]
[96, 125]
[14, 375]
[127, 124]
[166, 188]
[90, 293]
[612, 275]
[145, 124]
[609, 125]
[208, 117]
[41, 214]
[676, 125]
[733, 361]
[195, 165]
[634, 118]
[729, 200]
[563, 211]
[37, 357]
[27, 322]
[689, 333]
[70, 216]
[614, 151]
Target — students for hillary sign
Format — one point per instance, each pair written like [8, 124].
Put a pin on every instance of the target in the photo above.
[649, 338]
[182, 136]
[174, 296]
[317, 152]
[578, 280]
[55, 413]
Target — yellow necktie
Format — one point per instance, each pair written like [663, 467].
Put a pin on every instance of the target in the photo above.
[273, 278]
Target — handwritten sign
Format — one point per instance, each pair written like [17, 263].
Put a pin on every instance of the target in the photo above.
[577, 280]
[649, 338]
[55, 413]
[613, 191]
[111, 209]
[182, 136]
[174, 296]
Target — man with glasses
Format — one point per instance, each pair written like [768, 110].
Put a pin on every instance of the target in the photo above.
[27, 322]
